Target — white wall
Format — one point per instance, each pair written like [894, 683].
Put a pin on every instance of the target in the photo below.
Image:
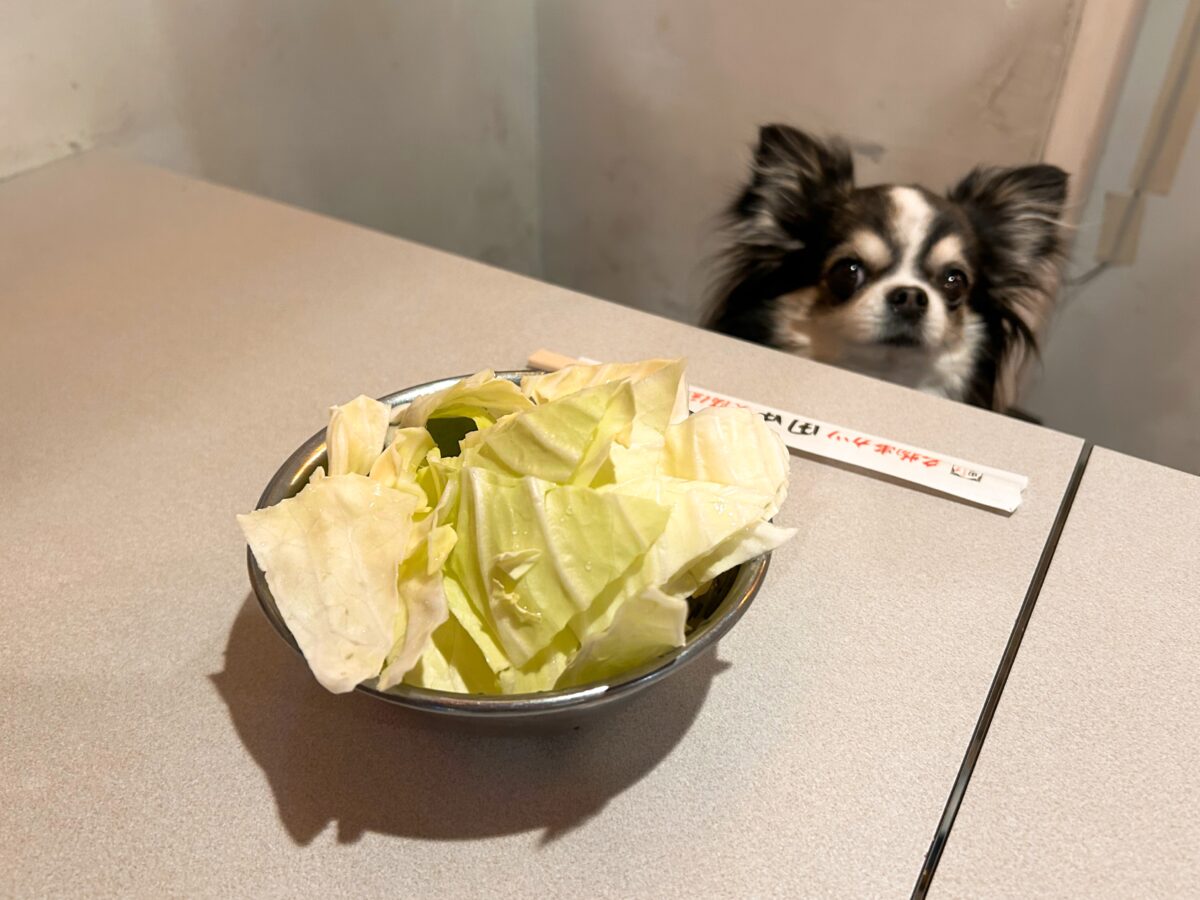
[421, 117]
[426, 118]
[415, 117]
[1122, 364]
[648, 108]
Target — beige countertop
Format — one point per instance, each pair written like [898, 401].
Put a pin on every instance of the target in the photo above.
[1088, 785]
[167, 343]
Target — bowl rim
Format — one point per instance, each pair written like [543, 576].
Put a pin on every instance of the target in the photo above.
[748, 577]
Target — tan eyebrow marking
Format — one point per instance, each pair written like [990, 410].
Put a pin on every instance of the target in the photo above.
[946, 252]
[867, 246]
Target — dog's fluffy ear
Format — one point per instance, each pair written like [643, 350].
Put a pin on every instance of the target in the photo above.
[1017, 211]
[793, 177]
[1017, 216]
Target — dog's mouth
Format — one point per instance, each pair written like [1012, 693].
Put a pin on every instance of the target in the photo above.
[902, 340]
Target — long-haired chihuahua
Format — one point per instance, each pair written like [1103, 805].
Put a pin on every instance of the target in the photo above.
[942, 294]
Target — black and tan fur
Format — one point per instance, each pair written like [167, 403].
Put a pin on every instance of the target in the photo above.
[945, 294]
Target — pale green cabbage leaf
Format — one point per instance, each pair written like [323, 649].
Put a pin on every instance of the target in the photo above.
[702, 515]
[564, 441]
[643, 627]
[482, 397]
[531, 555]
[660, 391]
[330, 555]
[397, 465]
[355, 435]
[729, 446]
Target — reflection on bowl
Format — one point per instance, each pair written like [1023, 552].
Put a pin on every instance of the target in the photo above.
[711, 616]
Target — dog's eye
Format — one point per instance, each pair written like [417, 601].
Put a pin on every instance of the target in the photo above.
[845, 277]
[954, 287]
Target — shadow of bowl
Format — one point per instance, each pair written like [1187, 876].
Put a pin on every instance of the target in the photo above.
[372, 767]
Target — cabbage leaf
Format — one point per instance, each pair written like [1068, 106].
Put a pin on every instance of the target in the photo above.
[331, 554]
[355, 435]
[482, 397]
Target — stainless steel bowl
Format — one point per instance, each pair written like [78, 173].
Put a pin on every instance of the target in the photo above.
[710, 617]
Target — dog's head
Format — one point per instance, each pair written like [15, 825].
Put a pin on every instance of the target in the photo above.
[894, 281]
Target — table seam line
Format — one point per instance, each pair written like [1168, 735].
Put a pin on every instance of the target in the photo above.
[1000, 678]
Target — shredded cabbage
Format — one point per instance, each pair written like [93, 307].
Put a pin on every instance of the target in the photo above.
[553, 545]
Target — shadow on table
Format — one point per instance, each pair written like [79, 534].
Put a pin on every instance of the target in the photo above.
[375, 767]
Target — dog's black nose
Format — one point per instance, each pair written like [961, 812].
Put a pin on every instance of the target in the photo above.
[910, 302]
